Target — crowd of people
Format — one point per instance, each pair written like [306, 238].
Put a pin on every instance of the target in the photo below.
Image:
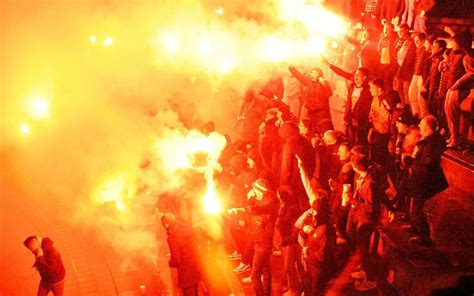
[293, 174]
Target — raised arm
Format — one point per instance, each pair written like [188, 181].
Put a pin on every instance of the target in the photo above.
[300, 76]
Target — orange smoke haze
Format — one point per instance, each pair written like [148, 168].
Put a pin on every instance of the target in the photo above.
[89, 90]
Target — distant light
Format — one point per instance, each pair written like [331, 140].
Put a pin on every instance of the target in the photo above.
[39, 107]
[25, 129]
[334, 45]
[93, 39]
[108, 41]
[220, 11]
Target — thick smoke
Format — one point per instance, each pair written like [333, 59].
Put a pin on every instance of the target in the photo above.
[110, 100]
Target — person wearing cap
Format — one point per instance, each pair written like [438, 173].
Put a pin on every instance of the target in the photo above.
[263, 212]
[317, 237]
[49, 264]
[183, 253]
[408, 135]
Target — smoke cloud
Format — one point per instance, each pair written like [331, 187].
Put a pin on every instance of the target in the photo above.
[116, 78]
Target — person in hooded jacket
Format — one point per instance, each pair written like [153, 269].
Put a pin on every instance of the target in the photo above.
[184, 255]
[49, 265]
[295, 145]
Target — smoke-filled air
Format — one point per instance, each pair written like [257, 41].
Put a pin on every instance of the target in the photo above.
[102, 101]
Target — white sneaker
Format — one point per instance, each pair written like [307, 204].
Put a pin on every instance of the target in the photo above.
[365, 285]
[246, 280]
[359, 274]
[242, 268]
[234, 256]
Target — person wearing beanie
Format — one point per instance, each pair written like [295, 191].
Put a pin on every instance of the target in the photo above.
[318, 239]
[48, 263]
[183, 253]
[263, 210]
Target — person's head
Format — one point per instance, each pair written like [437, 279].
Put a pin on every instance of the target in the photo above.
[429, 42]
[403, 121]
[428, 125]
[387, 29]
[315, 73]
[439, 45]
[253, 157]
[330, 137]
[391, 100]
[420, 40]
[403, 30]
[376, 87]
[168, 220]
[360, 164]
[344, 151]
[462, 41]
[360, 76]
[359, 150]
[237, 164]
[32, 243]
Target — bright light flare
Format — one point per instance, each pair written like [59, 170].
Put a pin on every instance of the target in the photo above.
[114, 190]
[220, 11]
[25, 129]
[171, 43]
[211, 202]
[180, 150]
[205, 47]
[93, 39]
[276, 50]
[108, 41]
[38, 107]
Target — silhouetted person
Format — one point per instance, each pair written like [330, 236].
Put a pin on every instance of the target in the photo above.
[49, 265]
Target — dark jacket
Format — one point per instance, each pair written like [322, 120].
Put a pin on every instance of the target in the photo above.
[432, 75]
[50, 265]
[427, 177]
[289, 171]
[405, 71]
[316, 94]
[264, 213]
[361, 109]
[367, 199]
[184, 256]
